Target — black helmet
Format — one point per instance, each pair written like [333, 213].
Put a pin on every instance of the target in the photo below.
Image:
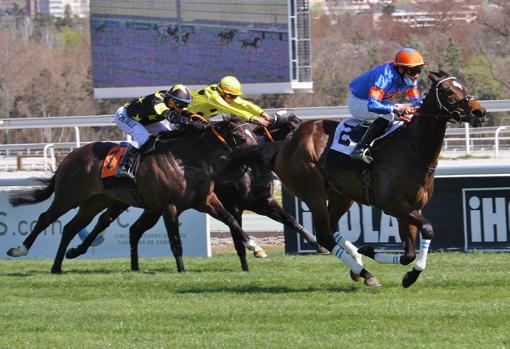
[179, 93]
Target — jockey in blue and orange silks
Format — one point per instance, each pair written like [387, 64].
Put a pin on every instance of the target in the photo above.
[373, 92]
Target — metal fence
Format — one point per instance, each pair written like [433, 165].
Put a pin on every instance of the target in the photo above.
[464, 140]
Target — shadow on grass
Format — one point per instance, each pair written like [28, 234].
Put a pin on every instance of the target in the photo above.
[269, 289]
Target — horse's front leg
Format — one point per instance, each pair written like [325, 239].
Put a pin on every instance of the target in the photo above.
[427, 233]
[170, 217]
[241, 240]
[145, 222]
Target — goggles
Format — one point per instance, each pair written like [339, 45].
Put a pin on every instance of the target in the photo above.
[414, 70]
[180, 105]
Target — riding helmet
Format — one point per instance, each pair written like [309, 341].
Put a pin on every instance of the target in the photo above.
[179, 93]
[230, 85]
[408, 57]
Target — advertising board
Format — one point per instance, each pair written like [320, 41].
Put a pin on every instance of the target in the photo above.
[17, 222]
[467, 212]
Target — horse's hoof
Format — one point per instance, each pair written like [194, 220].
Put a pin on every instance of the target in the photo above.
[372, 282]
[55, 270]
[355, 277]
[260, 254]
[19, 251]
[322, 250]
[72, 253]
[367, 251]
[410, 278]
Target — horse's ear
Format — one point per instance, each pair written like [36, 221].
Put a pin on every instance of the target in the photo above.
[433, 76]
[443, 73]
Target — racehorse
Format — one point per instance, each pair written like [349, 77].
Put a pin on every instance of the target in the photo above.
[169, 180]
[402, 174]
[252, 191]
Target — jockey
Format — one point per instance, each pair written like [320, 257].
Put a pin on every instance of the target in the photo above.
[373, 91]
[225, 97]
[153, 114]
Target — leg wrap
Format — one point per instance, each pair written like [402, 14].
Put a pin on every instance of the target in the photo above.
[345, 257]
[348, 246]
[421, 262]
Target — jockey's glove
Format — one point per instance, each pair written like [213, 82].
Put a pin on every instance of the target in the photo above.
[199, 125]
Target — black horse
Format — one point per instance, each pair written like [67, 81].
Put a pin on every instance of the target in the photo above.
[169, 180]
[252, 190]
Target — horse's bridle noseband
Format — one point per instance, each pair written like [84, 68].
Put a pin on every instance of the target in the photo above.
[452, 114]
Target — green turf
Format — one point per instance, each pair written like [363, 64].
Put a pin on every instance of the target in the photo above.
[460, 301]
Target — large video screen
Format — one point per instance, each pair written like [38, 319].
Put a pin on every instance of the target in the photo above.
[140, 46]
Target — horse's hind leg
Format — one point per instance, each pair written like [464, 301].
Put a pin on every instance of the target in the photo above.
[338, 205]
[103, 222]
[146, 221]
[54, 212]
[86, 212]
[270, 208]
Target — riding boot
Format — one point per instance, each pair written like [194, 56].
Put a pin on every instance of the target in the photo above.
[126, 164]
[362, 150]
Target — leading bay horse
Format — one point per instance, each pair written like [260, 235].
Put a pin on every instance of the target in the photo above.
[402, 174]
[167, 181]
[253, 191]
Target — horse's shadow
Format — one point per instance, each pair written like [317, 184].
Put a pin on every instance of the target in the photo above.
[251, 289]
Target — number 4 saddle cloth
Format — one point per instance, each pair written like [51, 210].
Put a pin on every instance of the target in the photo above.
[112, 161]
[349, 132]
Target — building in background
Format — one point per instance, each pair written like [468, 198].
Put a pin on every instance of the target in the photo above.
[57, 8]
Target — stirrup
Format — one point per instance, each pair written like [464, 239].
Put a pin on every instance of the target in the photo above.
[363, 155]
[124, 173]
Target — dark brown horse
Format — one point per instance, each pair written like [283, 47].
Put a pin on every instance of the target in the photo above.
[252, 191]
[402, 174]
[169, 180]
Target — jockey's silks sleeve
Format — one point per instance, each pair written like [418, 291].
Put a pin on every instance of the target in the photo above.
[148, 109]
[207, 102]
[381, 84]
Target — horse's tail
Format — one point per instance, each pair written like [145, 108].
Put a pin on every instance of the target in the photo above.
[257, 156]
[33, 196]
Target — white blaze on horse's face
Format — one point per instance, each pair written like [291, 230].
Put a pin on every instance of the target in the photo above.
[457, 84]
[250, 135]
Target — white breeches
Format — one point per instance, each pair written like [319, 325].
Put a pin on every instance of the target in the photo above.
[359, 110]
[139, 133]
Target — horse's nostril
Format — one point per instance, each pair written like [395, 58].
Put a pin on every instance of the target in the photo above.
[478, 113]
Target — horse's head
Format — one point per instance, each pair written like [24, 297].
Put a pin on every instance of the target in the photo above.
[454, 101]
[234, 134]
[278, 130]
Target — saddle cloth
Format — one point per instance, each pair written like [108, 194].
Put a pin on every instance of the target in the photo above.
[349, 132]
[112, 161]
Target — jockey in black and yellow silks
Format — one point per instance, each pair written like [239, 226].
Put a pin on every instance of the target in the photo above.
[152, 114]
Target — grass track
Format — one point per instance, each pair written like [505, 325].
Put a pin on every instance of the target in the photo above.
[460, 301]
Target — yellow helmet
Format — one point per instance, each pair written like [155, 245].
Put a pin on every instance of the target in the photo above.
[230, 85]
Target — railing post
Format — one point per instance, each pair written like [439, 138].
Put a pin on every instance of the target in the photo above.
[496, 140]
[77, 134]
[468, 143]
[53, 164]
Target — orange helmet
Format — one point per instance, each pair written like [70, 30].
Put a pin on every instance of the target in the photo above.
[408, 57]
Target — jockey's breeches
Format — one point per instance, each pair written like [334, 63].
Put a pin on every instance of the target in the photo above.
[359, 110]
[138, 132]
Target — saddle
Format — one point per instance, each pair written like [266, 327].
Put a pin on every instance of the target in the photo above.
[112, 160]
[349, 132]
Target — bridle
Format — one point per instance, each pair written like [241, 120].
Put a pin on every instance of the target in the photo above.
[453, 114]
